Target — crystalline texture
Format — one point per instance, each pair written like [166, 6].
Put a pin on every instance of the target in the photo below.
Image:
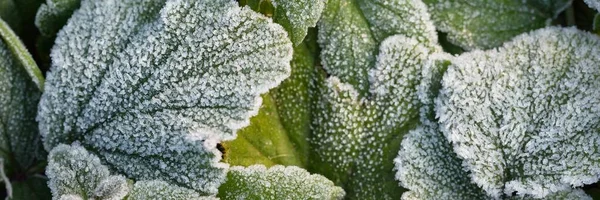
[151, 86]
[525, 117]
[296, 16]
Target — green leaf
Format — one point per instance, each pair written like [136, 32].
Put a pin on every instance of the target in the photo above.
[279, 133]
[143, 190]
[74, 172]
[486, 24]
[19, 96]
[53, 15]
[296, 16]
[355, 139]
[20, 14]
[525, 117]
[161, 84]
[277, 182]
[350, 32]
[264, 142]
[20, 53]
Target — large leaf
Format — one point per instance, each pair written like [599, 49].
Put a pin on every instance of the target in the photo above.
[153, 88]
[355, 139]
[485, 24]
[277, 182]
[525, 117]
[159, 189]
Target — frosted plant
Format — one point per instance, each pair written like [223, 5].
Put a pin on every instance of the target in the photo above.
[160, 86]
[595, 4]
[20, 144]
[519, 121]
[485, 24]
[257, 182]
[153, 189]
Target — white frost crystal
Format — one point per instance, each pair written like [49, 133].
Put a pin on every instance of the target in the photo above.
[356, 138]
[75, 173]
[151, 86]
[296, 16]
[482, 24]
[525, 117]
[277, 182]
[595, 4]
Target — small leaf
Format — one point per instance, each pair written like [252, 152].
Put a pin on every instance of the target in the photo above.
[486, 24]
[525, 117]
[154, 88]
[277, 182]
[296, 16]
[143, 190]
[53, 15]
[74, 172]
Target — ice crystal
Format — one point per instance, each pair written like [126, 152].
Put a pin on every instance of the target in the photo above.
[595, 4]
[277, 182]
[296, 16]
[151, 86]
[485, 24]
[356, 138]
[350, 32]
[525, 117]
[76, 174]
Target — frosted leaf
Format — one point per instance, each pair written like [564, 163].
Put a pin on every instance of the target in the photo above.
[485, 24]
[355, 139]
[53, 15]
[21, 55]
[296, 16]
[74, 172]
[525, 117]
[277, 182]
[429, 168]
[143, 190]
[350, 32]
[595, 4]
[153, 92]
[19, 96]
